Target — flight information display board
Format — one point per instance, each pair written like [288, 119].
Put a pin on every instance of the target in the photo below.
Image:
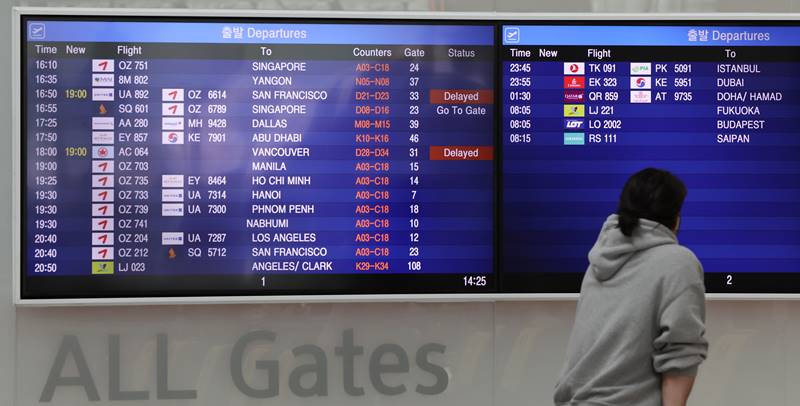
[182, 157]
[585, 105]
[227, 157]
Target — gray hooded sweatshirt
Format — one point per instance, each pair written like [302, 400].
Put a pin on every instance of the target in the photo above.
[641, 314]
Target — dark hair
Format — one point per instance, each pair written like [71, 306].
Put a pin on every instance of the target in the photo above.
[653, 194]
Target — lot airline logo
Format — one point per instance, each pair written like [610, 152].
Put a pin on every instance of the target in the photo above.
[573, 124]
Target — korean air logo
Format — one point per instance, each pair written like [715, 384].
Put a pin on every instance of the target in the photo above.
[573, 124]
[640, 82]
[172, 137]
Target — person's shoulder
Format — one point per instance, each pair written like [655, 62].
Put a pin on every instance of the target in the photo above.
[678, 261]
[677, 253]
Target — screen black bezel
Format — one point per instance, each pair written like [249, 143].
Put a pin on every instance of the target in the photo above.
[504, 282]
[570, 282]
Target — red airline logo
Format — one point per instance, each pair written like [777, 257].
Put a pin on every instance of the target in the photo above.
[574, 82]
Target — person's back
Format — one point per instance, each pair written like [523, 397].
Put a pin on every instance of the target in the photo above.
[641, 313]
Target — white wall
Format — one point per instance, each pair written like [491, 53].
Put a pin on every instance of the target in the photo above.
[7, 315]
[496, 354]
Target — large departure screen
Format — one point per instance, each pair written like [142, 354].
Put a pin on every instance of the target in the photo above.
[186, 157]
[232, 157]
[587, 105]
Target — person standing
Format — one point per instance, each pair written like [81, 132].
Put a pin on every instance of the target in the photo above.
[639, 330]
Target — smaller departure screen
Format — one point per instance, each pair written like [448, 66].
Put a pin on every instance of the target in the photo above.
[586, 106]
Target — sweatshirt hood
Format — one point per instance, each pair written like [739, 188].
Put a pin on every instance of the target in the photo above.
[613, 249]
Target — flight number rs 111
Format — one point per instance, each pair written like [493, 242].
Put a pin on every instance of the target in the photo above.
[602, 138]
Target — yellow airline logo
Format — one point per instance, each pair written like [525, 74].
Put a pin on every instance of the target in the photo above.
[573, 110]
[102, 268]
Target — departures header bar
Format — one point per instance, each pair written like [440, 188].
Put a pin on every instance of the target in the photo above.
[650, 35]
[241, 33]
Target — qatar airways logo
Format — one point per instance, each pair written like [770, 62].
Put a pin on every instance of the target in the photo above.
[392, 368]
[573, 96]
